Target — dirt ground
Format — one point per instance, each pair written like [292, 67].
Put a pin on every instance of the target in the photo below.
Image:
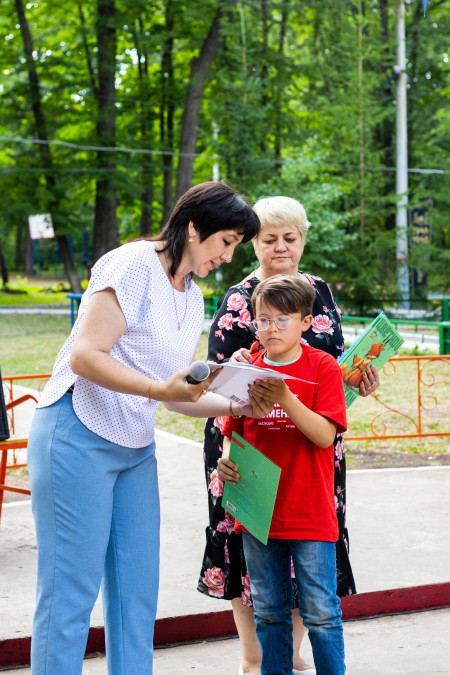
[386, 459]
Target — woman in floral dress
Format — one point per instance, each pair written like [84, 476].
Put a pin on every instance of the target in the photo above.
[279, 248]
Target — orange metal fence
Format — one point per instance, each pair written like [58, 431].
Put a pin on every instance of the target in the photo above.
[10, 448]
[431, 372]
[417, 420]
[11, 403]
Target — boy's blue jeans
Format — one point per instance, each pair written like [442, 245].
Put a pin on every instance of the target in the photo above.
[269, 568]
[96, 509]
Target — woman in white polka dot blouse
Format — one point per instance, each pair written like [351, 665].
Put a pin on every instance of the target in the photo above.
[91, 450]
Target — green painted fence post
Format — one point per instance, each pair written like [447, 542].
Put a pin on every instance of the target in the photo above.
[444, 328]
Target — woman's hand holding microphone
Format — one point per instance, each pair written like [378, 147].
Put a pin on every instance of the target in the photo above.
[190, 384]
[186, 385]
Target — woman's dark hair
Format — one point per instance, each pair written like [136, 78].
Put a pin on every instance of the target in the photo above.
[286, 293]
[212, 207]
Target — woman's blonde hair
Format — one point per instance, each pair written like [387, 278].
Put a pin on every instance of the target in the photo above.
[282, 211]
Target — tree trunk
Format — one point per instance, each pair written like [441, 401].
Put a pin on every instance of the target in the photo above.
[146, 121]
[29, 252]
[264, 69]
[167, 113]
[146, 223]
[87, 50]
[3, 267]
[199, 72]
[105, 218]
[19, 257]
[278, 90]
[414, 30]
[384, 21]
[44, 150]
[384, 130]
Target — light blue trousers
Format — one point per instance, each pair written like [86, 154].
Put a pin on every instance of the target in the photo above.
[96, 510]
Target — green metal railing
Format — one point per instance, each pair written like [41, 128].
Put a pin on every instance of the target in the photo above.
[442, 326]
[211, 306]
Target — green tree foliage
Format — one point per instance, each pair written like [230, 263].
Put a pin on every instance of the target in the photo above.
[297, 99]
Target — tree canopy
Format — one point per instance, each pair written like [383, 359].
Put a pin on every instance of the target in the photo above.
[112, 109]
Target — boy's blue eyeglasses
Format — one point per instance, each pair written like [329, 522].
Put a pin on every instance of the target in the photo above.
[281, 322]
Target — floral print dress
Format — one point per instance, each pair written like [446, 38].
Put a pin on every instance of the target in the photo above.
[224, 573]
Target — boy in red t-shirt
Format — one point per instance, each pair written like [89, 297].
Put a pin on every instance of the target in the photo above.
[298, 436]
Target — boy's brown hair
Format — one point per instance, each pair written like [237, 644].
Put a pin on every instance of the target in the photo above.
[288, 294]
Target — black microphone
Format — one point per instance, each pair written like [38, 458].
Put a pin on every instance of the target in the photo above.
[198, 371]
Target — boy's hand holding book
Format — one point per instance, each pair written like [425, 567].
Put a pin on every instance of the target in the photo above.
[258, 394]
[227, 471]
[273, 391]
[258, 407]
[318, 429]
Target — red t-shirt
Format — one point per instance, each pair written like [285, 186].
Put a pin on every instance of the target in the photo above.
[304, 506]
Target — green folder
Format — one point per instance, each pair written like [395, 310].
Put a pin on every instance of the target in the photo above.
[252, 499]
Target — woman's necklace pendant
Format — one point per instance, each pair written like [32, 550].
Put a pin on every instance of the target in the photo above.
[173, 297]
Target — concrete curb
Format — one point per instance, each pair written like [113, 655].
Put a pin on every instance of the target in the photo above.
[214, 625]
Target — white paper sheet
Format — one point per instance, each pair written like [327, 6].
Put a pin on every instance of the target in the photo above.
[236, 377]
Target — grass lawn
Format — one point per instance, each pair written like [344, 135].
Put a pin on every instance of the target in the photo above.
[34, 291]
[30, 343]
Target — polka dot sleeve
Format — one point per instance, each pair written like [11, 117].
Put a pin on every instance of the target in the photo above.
[126, 271]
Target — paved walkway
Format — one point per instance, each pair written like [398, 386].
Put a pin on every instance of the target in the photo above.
[398, 519]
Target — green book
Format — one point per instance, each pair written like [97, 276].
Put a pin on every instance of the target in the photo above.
[375, 346]
[252, 499]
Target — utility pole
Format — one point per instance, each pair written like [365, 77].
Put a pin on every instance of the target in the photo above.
[402, 164]
[362, 217]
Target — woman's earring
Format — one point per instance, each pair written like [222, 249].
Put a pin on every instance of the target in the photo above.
[190, 240]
